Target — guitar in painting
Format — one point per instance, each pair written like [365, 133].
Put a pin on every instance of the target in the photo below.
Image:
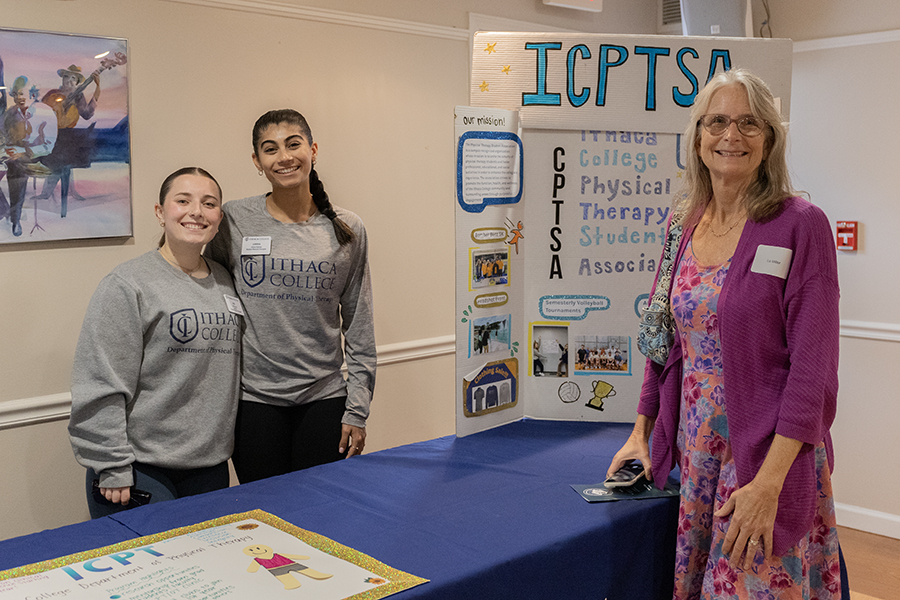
[63, 102]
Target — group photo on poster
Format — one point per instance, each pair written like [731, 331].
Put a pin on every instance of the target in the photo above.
[597, 354]
[490, 267]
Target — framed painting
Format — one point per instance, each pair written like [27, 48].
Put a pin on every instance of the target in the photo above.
[65, 167]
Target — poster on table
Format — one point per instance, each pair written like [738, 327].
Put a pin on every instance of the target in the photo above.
[567, 163]
[248, 555]
[64, 169]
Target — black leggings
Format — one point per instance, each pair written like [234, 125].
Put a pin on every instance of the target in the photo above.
[274, 440]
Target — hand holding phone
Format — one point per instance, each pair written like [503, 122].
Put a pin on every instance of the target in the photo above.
[628, 475]
[138, 497]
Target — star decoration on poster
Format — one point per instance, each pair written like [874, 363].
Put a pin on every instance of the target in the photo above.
[490, 48]
[484, 86]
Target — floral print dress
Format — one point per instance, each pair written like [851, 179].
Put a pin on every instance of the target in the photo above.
[808, 571]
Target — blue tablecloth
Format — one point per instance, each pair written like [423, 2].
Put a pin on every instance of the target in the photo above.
[491, 515]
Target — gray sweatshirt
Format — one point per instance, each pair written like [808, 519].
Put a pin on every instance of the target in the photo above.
[156, 371]
[299, 299]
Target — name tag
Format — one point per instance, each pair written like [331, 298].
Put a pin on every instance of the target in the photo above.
[256, 245]
[772, 260]
[234, 305]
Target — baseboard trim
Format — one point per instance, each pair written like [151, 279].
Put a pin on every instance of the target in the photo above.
[324, 15]
[56, 407]
[864, 519]
[888, 332]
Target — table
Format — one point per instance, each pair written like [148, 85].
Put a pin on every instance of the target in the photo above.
[491, 515]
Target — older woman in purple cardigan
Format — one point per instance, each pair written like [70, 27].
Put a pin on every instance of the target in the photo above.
[746, 398]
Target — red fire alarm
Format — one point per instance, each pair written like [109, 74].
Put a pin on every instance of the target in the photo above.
[847, 235]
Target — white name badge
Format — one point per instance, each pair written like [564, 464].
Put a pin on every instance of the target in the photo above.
[772, 260]
[254, 245]
[234, 305]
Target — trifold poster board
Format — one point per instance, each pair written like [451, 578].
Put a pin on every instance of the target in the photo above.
[567, 164]
[248, 555]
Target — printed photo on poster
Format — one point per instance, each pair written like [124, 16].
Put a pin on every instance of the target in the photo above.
[64, 169]
[549, 350]
[491, 388]
[490, 334]
[488, 267]
[608, 354]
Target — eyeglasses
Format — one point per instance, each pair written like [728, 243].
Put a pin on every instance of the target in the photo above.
[718, 124]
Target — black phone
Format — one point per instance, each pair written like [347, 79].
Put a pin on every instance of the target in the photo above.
[628, 475]
[138, 497]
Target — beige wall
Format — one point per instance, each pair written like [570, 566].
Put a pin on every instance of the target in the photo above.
[380, 104]
[816, 19]
[379, 92]
[380, 96]
[618, 16]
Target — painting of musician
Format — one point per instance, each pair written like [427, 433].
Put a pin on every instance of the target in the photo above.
[73, 146]
[18, 131]
[59, 128]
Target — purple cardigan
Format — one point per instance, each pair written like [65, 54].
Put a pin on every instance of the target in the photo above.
[779, 361]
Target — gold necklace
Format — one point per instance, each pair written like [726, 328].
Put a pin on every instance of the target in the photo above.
[727, 231]
[189, 272]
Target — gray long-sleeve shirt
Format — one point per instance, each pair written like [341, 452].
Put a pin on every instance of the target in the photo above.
[156, 371]
[300, 297]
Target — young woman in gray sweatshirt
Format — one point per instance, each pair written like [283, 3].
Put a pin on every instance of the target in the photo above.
[301, 268]
[156, 372]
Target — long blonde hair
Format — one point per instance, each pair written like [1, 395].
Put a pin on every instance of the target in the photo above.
[763, 198]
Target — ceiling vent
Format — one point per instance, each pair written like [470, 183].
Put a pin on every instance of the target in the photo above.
[668, 20]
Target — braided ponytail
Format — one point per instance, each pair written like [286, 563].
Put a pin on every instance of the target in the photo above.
[342, 231]
[320, 198]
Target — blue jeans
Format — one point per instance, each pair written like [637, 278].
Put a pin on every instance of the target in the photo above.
[163, 484]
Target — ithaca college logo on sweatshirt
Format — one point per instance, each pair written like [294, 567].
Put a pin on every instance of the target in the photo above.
[288, 272]
[183, 325]
[186, 324]
[253, 269]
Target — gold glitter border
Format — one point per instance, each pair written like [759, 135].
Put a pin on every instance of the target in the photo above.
[397, 580]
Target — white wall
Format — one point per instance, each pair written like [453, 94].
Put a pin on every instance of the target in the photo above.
[378, 82]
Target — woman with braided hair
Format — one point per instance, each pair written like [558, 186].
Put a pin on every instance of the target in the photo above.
[301, 269]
